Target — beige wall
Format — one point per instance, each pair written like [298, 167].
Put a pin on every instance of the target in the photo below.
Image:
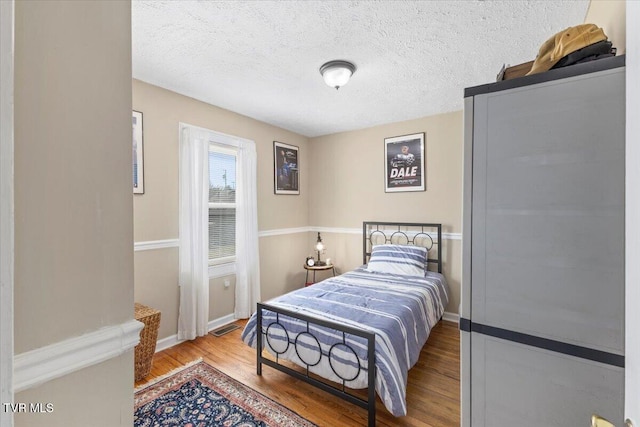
[281, 263]
[347, 188]
[156, 285]
[156, 211]
[73, 209]
[100, 396]
[341, 186]
[610, 15]
[347, 180]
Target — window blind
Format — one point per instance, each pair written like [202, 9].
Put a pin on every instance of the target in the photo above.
[222, 203]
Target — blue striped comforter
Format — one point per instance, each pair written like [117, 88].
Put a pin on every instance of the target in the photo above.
[400, 310]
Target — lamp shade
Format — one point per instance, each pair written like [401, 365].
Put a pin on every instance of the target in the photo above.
[319, 244]
[319, 248]
[337, 73]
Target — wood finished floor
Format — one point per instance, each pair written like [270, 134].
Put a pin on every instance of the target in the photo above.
[433, 391]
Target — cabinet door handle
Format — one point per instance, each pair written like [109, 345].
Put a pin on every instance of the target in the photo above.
[598, 421]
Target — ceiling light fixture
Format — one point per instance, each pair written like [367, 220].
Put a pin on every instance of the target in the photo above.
[337, 73]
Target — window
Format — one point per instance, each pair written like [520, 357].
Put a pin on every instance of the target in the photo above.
[222, 204]
[218, 223]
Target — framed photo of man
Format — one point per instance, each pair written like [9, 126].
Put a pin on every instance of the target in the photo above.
[404, 167]
[286, 168]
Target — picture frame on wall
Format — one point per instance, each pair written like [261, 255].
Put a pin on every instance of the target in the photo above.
[405, 163]
[286, 168]
[138, 153]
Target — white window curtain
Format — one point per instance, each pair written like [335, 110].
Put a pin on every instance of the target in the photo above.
[247, 255]
[193, 317]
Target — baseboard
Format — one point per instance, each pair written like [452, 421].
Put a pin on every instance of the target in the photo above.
[172, 340]
[451, 317]
[36, 367]
[168, 342]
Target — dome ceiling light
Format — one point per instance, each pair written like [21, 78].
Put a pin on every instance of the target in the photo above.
[337, 73]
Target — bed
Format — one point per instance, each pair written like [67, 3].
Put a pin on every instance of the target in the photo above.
[363, 329]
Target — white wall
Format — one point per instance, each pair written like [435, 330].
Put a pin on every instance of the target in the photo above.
[609, 15]
[632, 321]
[6, 208]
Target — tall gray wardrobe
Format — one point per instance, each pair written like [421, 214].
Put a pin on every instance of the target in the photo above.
[542, 313]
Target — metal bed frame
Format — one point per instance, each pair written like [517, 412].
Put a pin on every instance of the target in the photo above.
[416, 234]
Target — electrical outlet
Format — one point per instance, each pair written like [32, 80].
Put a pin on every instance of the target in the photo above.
[227, 283]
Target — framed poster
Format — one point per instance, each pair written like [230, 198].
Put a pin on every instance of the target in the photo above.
[404, 167]
[138, 158]
[286, 168]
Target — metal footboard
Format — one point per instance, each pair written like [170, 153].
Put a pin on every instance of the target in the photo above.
[341, 390]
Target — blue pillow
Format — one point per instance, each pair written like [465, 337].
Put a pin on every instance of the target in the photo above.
[398, 259]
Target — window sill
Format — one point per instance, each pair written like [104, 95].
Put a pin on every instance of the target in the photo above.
[221, 270]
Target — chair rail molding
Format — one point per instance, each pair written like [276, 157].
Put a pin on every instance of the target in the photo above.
[175, 243]
[156, 244]
[335, 230]
[38, 366]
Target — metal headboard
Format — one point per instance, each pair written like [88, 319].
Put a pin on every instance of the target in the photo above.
[403, 233]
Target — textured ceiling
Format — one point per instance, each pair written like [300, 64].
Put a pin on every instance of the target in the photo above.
[261, 58]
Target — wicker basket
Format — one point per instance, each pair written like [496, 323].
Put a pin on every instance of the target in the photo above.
[148, 337]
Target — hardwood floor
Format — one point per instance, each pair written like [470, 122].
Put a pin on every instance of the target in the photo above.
[433, 390]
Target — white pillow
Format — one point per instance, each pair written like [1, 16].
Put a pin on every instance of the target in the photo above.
[398, 259]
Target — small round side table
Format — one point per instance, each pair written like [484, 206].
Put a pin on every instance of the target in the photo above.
[317, 268]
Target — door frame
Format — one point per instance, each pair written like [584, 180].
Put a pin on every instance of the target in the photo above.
[632, 215]
[6, 206]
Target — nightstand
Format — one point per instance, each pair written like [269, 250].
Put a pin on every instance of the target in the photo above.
[317, 268]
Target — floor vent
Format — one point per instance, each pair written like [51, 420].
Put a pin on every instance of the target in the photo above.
[224, 330]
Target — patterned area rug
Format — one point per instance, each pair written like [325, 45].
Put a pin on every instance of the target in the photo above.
[199, 395]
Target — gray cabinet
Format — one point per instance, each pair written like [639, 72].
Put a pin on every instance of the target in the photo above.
[542, 319]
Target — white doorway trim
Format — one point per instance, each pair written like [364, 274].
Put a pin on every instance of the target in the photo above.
[632, 215]
[6, 206]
